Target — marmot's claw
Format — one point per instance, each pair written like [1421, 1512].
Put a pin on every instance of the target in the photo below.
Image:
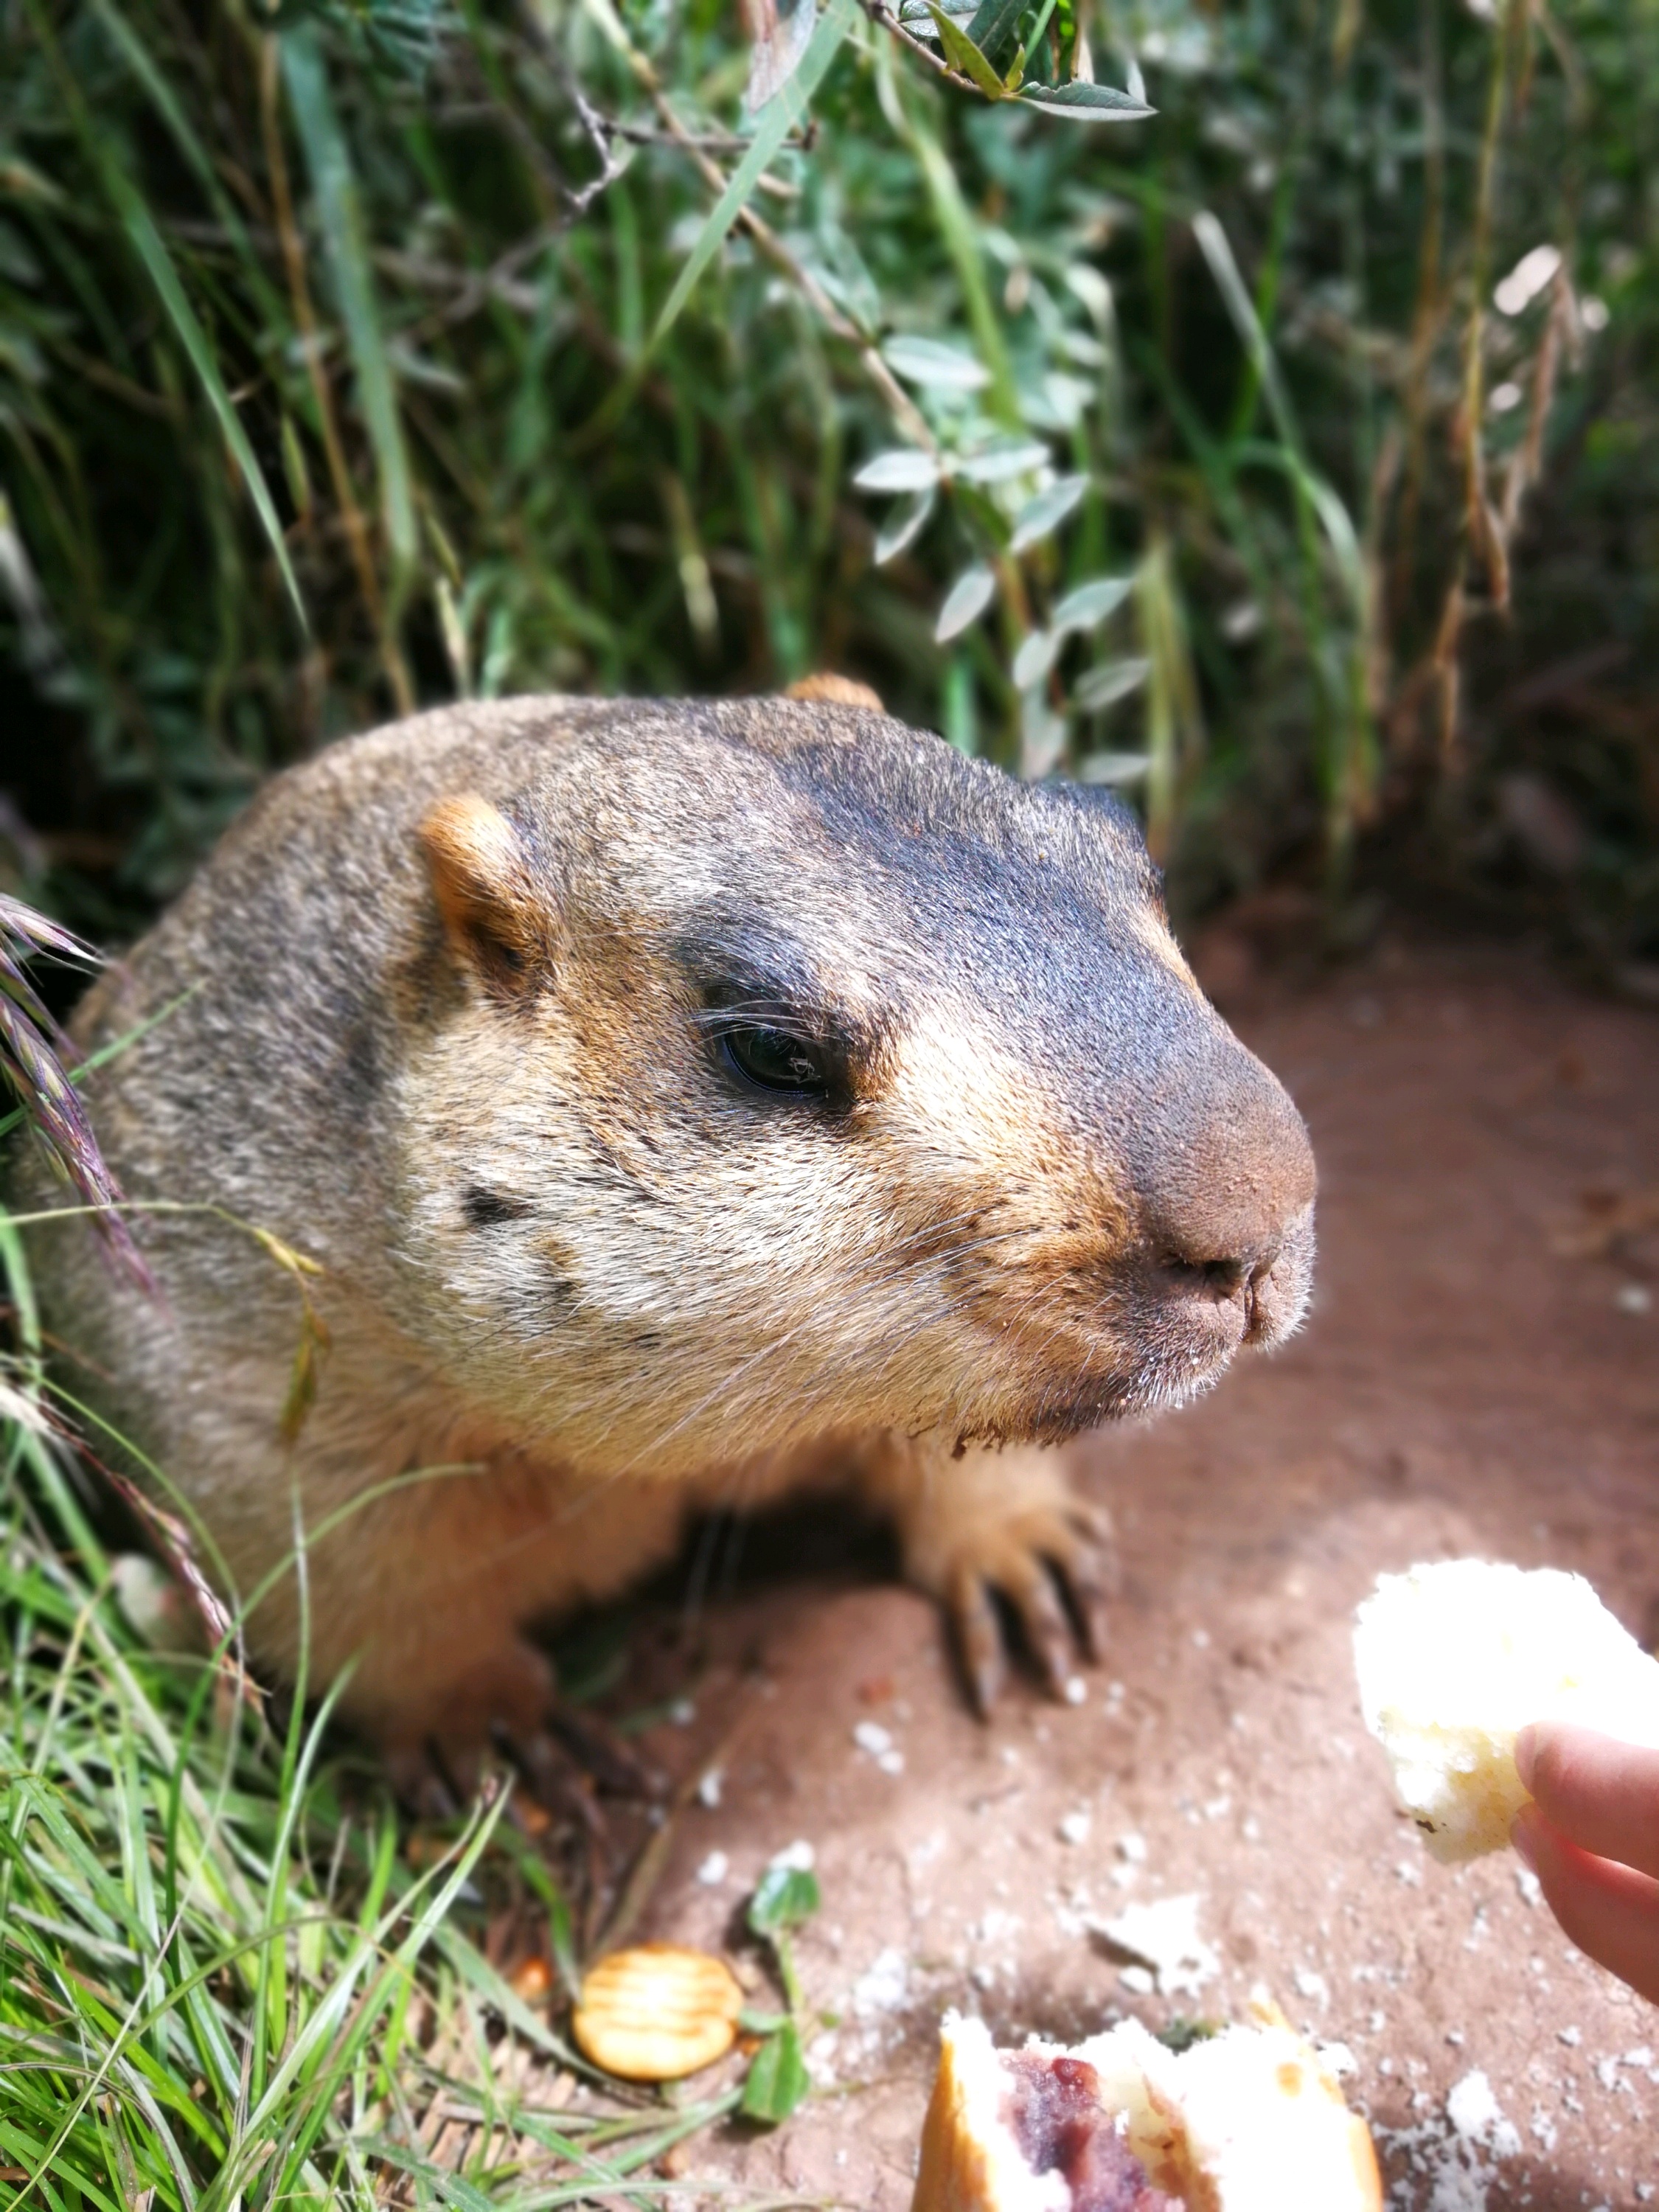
[418, 1785]
[1052, 1569]
[1031, 1587]
[1090, 1605]
[567, 1762]
[609, 1758]
[438, 1776]
[979, 1640]
[561, 1764]
[556, 1777]
[1089, 1574]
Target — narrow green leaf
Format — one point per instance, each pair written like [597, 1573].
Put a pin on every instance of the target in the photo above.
[165, 100]
[994, 22]
[1086, 103]
[346, 244]
[1213, 244]
[931, 363]
[963, 55]
[139, 226]
[1092, 602]
[1002, 459]
[1042, 735]
[918, 16]
[1033, 38]
[1111, 681]
[904, 529]
[1112, 767]
[1036, 656]
[965, 602]
[778, 119]
[1046, 512]
[905, 468]
[778, 2078]
[963, 232]
[140, 230]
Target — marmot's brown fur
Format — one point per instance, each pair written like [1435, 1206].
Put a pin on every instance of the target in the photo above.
[685, 1102]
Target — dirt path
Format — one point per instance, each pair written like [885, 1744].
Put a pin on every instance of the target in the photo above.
[1462, 1386]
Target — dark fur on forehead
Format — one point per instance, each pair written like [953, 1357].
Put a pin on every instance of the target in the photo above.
[896, 829]
[831, 864]
[1017, 893]
[880, 789]
[888, 789]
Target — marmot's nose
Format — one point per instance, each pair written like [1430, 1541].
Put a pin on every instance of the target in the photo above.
[1227, 1187]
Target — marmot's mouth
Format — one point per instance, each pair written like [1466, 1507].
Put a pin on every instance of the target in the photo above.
[1216, 1308]
[1173, 1333]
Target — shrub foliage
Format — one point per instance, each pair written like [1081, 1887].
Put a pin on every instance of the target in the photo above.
[335, 379]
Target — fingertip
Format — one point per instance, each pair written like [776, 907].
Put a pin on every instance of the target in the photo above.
[1522, 1836]
[1526, 1755]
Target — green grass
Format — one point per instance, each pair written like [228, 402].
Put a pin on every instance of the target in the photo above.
[228, 1975]
[351, 359]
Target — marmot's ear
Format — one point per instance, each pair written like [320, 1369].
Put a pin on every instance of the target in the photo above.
[835, 691]
[491, 910]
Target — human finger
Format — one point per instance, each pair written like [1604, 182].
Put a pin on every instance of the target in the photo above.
[1611, 1913]
[1601, 1793]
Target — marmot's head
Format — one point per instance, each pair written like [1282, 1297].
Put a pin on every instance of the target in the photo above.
[779, 1070]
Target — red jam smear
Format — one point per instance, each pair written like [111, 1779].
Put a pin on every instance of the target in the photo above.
[1053, 2106]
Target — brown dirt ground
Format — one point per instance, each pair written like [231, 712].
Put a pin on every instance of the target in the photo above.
[1464, 1384]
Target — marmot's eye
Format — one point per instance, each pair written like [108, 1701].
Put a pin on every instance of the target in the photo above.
[777, 1061]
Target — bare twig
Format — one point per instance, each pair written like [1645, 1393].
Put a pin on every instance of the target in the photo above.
[884, 20]
[1484, 532]
[711, 141]
[1527, 462]
[603, 134]
[473, 289]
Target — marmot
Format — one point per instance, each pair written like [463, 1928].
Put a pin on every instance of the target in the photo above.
[685, 1102]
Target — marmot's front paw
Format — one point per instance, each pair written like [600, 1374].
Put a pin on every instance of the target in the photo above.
[1052, 1566]
[506, 1710]
[1008, 1525]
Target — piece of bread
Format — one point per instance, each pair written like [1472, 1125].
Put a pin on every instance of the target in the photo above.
[1455, 1659]
[1248, 2120]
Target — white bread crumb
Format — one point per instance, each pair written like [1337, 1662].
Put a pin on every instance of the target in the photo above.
[1455, 1659]
[1252, 2119]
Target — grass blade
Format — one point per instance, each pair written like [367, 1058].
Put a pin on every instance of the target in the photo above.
[140, 230]
[779, 117]
[328, 160]
[959, 233]
[166, 101]
[1213, 244]
[139, 225]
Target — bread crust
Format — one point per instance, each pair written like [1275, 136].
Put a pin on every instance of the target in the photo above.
[953, 2174]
